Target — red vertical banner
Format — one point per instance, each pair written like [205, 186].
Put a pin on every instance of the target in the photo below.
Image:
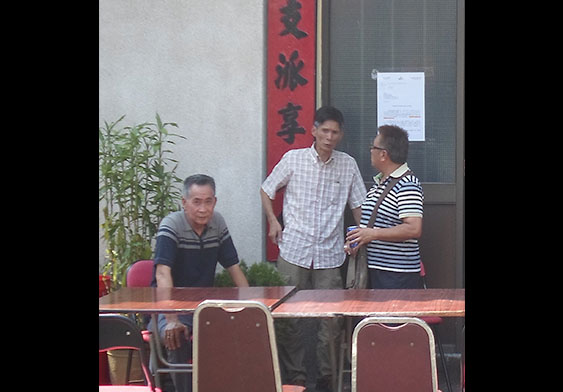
[290, 86]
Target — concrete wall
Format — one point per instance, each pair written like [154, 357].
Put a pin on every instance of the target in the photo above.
[201, 64]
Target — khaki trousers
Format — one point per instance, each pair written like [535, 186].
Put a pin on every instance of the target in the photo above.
[289, 332]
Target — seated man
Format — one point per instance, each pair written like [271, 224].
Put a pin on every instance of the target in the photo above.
[188, 245]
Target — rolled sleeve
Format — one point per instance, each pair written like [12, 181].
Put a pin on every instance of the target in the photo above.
[227, 253]
[165, 251]
[278, 178]
[358, 189]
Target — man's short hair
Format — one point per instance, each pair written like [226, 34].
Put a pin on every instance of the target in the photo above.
[326, 113]
[396, 141]
[198, 179]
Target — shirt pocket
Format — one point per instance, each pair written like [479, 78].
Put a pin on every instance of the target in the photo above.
[335, 189]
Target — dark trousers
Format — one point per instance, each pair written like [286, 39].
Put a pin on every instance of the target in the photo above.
[289, 333]
[182, 381]
[380, 279]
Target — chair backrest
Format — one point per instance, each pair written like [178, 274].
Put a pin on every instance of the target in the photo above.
[393, 358]
[139, 274]
[234, 348]
[120, 332]
[422, 274]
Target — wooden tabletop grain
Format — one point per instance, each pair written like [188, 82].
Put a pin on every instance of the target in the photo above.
[405, 303]
[185, 299]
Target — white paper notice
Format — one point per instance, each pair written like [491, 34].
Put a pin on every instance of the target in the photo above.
[400, 101]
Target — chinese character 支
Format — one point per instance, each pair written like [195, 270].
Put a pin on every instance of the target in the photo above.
[290, 18]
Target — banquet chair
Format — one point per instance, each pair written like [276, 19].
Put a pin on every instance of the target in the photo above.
[139, 274]
[235, 349]
[120, 332]
[393, 354]
[433, 322]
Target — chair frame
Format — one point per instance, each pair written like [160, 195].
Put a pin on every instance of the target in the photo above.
[156, 353]
[128, 284]
[136, 342]
[393, 320]
[230, 306]
[436, 331]
[344, 347]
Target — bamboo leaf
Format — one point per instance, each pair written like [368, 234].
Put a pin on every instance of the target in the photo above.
[137, 187]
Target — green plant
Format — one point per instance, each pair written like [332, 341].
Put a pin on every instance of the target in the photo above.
[258, 274]
[137, 189]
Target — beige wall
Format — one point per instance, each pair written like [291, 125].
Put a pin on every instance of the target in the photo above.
[199, 63]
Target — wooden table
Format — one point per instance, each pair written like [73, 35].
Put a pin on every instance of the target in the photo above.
[363, 303]
[285, 302]
[155, 300]
[185, 299]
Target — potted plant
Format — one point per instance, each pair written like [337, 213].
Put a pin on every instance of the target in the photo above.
[138, 187]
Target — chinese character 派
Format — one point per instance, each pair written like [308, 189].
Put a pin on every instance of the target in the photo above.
[290, 127]
[291, 18]
[288, 72]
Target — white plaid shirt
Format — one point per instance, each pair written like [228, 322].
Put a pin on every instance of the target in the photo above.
[313, 205]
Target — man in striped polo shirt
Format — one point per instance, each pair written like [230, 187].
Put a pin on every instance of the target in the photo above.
[189, 243]
[392, 244]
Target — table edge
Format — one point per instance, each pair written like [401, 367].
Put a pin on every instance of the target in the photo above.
[103, 309]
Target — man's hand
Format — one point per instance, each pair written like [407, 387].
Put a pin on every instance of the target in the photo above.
[350, 250]
[173, 333]
[275, 233]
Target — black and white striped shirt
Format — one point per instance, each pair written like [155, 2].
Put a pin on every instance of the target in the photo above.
[404, 200]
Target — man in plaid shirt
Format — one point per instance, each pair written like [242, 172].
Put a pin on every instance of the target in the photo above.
[319, 182]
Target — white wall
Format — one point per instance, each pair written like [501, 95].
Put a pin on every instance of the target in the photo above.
[201, 64]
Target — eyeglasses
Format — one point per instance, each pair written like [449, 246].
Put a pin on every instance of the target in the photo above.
[371, 148]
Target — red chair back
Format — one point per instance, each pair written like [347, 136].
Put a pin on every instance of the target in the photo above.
[393, 358]
[429, 319]
[139, 274]
[234, 348]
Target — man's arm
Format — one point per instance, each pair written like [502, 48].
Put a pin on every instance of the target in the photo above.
[174, 328]
[275, 232]
[409, 229]
[238, 276]
[357, 213]
[164, 276]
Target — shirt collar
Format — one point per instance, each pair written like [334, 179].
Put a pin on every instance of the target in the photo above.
[396, 173]
[210, 224]
[316, 156]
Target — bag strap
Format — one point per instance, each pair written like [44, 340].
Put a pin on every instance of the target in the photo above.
[389, 186]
